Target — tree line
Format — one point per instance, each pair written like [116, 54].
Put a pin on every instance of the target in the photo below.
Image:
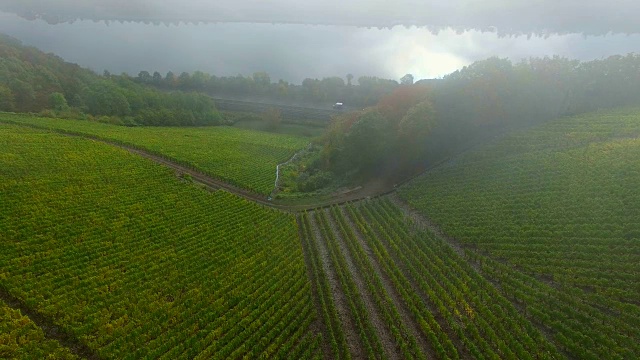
[259, 86]
[415, 126]
[32, 81]
[403, 128]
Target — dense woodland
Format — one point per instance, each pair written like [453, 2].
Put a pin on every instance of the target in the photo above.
[418, 125]
[259, 86]
[32, 81]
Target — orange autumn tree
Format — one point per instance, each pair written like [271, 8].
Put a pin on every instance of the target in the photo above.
[396, 105]
[391, 133]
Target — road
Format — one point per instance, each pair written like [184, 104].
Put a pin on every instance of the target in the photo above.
[289, 112]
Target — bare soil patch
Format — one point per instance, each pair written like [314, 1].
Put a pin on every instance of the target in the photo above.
[444, 325]
[318, 326]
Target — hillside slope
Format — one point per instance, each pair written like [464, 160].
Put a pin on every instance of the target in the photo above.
[240, 157]
[32, 81]
[130, 262]
[551, 217]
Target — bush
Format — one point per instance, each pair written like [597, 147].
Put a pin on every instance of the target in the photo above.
[314, 182]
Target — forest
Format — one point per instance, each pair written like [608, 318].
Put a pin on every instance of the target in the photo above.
[363, 91]
[32, 81]
[417, 126]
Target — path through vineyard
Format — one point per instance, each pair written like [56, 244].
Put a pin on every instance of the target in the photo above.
[388, 283]
[370, 303]
[372, 316]
[51, 331]
[374, 313]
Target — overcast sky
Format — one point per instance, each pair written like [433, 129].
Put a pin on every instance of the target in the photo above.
[558, 16]
[292, 51]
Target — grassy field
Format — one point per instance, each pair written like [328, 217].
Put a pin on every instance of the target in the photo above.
[552, 216]
[243, 158]
[301, 130]
[133, 263]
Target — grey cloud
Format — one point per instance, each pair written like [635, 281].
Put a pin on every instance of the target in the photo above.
[293, 52]
[290, 52]
[507, 16]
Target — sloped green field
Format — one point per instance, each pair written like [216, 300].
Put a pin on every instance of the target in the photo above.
[427, 301]
[552, 215]
[121, 255]
[243, 158]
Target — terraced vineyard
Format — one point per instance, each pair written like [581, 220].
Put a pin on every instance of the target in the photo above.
[551, 216]
[129, 261]
[243, 158]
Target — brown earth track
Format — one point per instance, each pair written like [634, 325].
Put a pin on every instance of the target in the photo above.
[374, 189]
[405, 314]
[386, 339]
[424, 223]
[318, 325]
[211, 183]
[356, 348]
[50, 330]
[462, 350]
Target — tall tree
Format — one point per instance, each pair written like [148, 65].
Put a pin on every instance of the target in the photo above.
[407, 80]
[6, 99]
[144, 77]
[58, 102]
[157, 78]
[262, 79]
[170, 79]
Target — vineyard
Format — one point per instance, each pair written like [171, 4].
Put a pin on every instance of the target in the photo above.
[243, 158]
[20, 338]
[133, 263]
[525, 248]
[403, 292]
[551, 216]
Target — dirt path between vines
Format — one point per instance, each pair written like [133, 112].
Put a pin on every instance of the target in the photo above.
[416, 289]
[380, 327]
[405, 314]
[423, 223]
[370, 190]
[374, 188]
[356, 348]
[51, 331]
[319, 325]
